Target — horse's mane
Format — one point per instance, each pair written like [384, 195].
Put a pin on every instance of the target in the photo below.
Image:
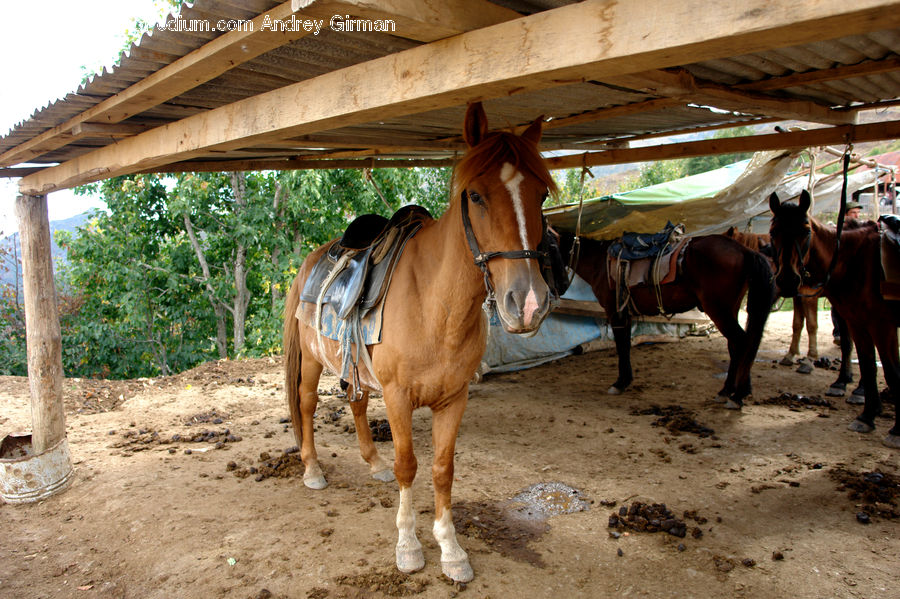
[495, 149]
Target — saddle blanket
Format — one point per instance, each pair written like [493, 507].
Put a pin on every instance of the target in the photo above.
[332, 324]
[638, 272]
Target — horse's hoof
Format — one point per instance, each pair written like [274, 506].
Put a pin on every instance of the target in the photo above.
[614, 391]
[720, 399]
[385, 476]
[410, 560]
[835, 391]
[732, 405]
[858, 426]
[892, 441]
[459, 571]
[805, 367]
[856, 400]
[315, 482]
[786, 361]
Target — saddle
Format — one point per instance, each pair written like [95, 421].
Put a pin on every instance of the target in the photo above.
[352, 277]
[355, 271]
[645, 259]
[890, 256]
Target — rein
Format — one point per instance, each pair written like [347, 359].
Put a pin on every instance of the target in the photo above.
[804, 275]
[482, 258]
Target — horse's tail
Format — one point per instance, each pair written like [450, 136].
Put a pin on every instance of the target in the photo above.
[292, 356]
[760, 297]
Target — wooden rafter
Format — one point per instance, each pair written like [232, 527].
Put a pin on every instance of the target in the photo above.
[591, 40]
[756, 143]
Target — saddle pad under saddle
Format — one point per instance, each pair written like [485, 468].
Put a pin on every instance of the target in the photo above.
[657, 270]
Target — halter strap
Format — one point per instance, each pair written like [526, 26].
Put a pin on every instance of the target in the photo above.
[482, 258]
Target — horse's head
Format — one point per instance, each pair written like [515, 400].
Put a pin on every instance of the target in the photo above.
[501, 183]
[791, 234]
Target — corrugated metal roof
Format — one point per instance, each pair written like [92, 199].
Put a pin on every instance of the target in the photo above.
[314, 55]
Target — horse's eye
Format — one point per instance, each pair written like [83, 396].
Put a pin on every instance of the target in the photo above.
[475, 197]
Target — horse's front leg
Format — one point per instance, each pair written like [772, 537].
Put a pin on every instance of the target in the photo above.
[845, 376]
[408, 551]
[445, 426]
[621, 327]
[865, 351]
[796, 331]
[810, 307]
[379, 468]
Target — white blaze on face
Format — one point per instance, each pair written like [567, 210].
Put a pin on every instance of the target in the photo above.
[512, 179]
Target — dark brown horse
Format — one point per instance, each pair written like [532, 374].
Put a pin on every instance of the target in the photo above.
[434, 327]
[806, 308]
[715, 274]
[804, 249]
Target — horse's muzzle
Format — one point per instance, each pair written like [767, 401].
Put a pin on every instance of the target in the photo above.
[522, 308]
[788, 283]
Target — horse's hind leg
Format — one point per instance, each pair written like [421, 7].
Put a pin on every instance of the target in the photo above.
[379, 468]
[310, 370]
[890, 363]
[865, 351]
[445, 426]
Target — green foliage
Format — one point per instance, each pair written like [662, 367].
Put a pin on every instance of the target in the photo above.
[134, 300]
[654, 173]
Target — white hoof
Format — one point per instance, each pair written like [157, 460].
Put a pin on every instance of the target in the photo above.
[410, 560]
[385, 476]
[856, 399]
[720, 399]
[732, 405]
[614, 391]
[313, 478]
[458, 571]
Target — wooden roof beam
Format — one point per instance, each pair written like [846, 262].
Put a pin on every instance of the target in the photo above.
[414, 19]
[682, 85]
[774, 141]
[590, 40]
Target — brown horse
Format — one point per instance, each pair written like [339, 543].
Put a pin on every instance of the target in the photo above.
[804, 249]
[434, 328]
[715, 274]
[805, 307]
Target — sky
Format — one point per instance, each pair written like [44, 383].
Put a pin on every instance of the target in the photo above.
[43, 47]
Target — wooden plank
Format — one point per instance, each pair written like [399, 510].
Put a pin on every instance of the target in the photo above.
[755, 143]
[414, 19]
[288, 164]
[42, 332]
[590, 40]
[682, 85]
[594, 310]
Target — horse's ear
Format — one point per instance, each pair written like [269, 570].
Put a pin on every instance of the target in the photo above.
[774, 202]
[533, 133]
[805, 200]
[475, 127]
[730, 232]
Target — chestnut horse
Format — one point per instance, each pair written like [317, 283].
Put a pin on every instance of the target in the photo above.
[804, 250]
[715, 273]
[434, 328]
[805, 307]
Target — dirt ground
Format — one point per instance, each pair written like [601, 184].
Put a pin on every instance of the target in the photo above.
[184, 488]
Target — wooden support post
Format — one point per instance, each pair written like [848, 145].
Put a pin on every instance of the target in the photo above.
[41, 324]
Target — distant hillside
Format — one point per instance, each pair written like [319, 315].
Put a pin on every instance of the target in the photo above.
[12, 248]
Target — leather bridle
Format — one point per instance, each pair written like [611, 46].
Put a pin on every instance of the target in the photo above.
[482, 258]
